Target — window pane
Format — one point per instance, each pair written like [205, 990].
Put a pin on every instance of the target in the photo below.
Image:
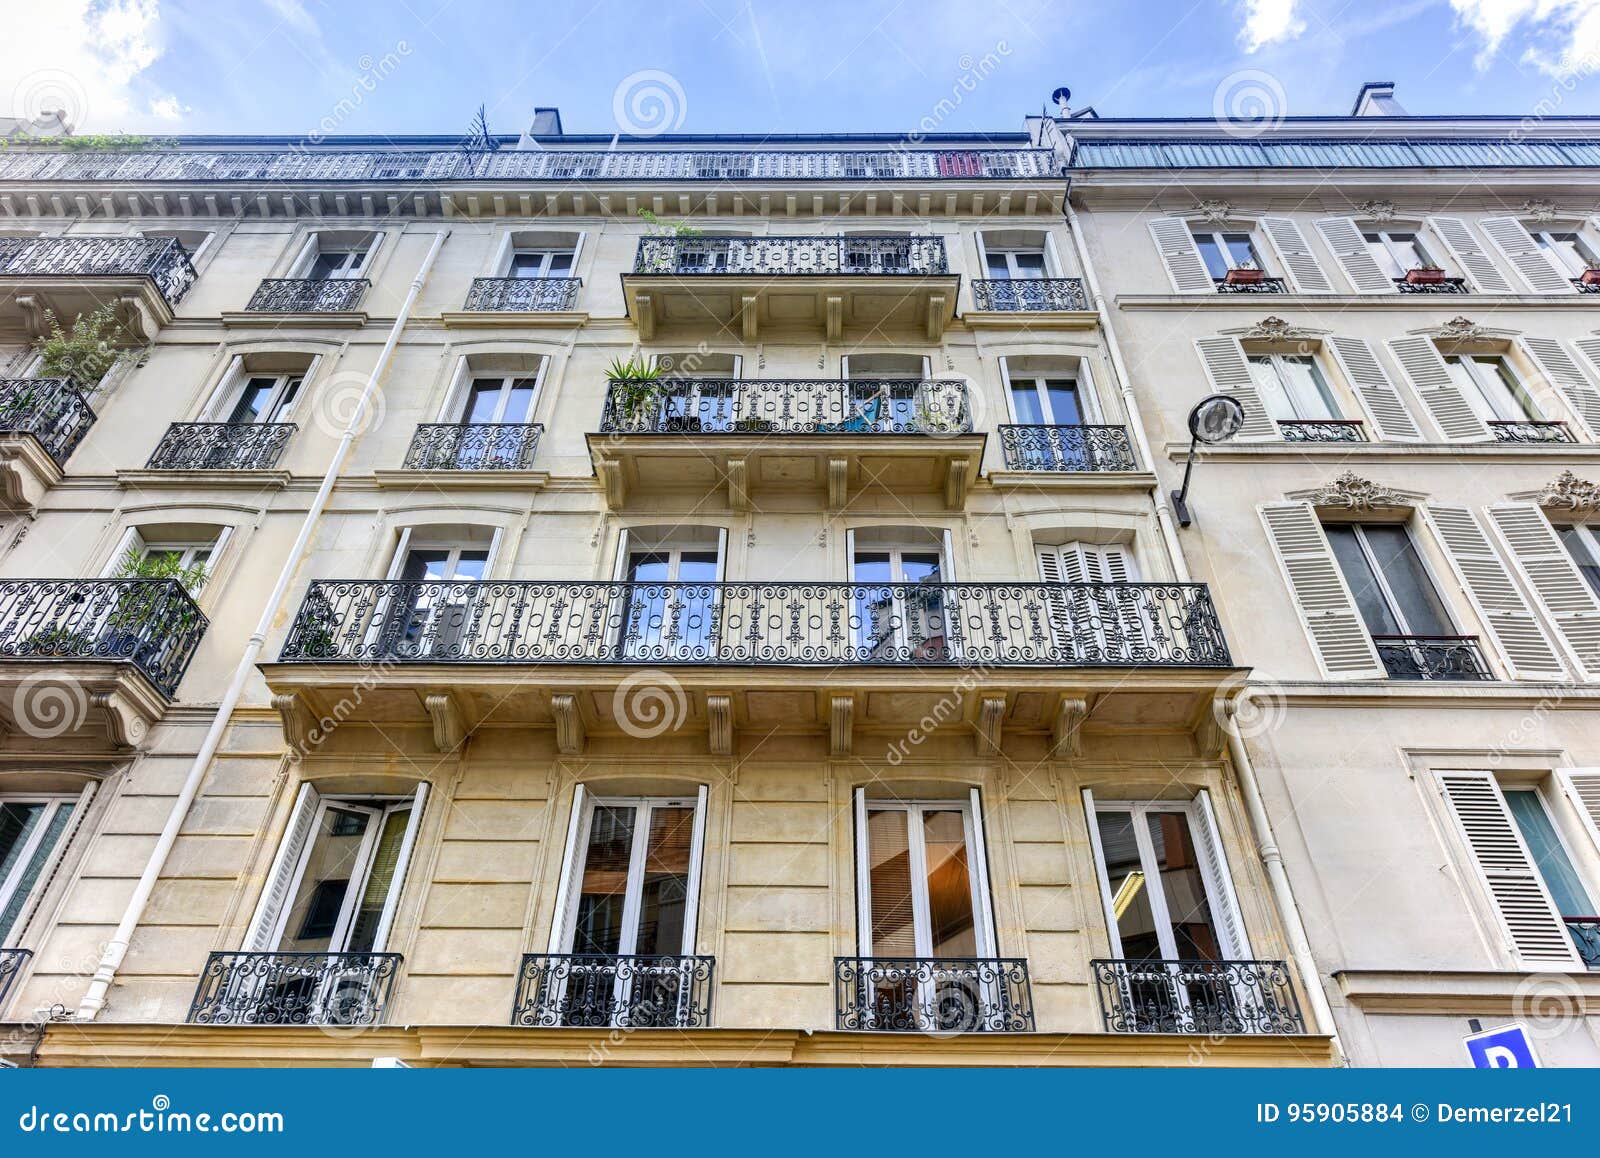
[997, 265]
[519, 401]
[1211, 254]
[1582, 552]
[314, 913]
[1417, 599]
[1375, 610]
[1308, 393]
[1183, 886]
[380, 878]
[919, 567]
[1130, 897]
[649, 566]
[1274, 398]
[1240, 249]
[1381, 254]
[950, 915]
[605, 881]
[889, 871]
[1025, 400]
[483, 398]
[1064, 408]
[1565, 885]
[665, 897]
[252, 400]
[17, 824]
[1029, 265]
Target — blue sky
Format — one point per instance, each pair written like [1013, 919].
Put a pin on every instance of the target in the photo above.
[309, 67]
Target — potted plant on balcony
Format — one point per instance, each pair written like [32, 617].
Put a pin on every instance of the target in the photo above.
[145, 619]
[1425, 275]
[1245, 274]
[84, 353]
[635, 392]
[1590, 275]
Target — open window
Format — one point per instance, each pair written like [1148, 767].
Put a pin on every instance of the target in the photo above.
[427, 609]
[187, 552]
[536, 254]
[670, 599]
[903, 609]
[1017, 254]
[260, 388]
[34, 833]
[336, 255]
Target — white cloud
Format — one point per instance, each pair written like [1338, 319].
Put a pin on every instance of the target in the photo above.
[1268, 22]
[1558, 36]
[88, 57]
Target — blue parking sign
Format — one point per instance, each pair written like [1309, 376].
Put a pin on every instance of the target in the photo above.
[1506, 1048]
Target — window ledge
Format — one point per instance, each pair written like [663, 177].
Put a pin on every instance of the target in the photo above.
[1461, 992]
[1409, 694]
[1339, 452]
[1257, 302]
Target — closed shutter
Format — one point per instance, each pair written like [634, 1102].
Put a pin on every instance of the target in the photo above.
[1305, 273]
[1429, 377]
[1567, 601]
[1338, 636]
[1085, 563]
[1181, 256]
[1344, 238]
[1531, 262]
[1590, 349]
[1479, 267]
[1224, 901]
[1527, 650]
[1379, 396]
[1562, 371]
[1534, 930]
[1582, 786]
[1226, 369]
[263, 932]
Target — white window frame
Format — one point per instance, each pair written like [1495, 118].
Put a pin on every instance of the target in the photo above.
[357, 261]
[1386, 242]
[1276, 362]
[1553, 814]
[1080, 376]
[1544, 237]
[505, 391]
[1217, 236]
[134, 539]
[896, 549]
[291, 385]
[1591, 540]
[1384, 589]
[1009, 253]
[627, 547]
[12, 881]
[546, 255]
[1488, 387]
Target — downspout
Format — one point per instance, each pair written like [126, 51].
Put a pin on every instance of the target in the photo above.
[1278, 878]
[94, 999]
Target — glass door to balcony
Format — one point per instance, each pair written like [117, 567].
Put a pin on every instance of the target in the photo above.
[894, 621]
[1550, 855]
[492, 401]
[1399, 602]
[264, 398]
[1292, 388]
[670, 607]
[1492, 388]
[428, 611]
[30, 834]
[1055, 404]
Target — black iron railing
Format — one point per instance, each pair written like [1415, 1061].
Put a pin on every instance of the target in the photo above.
[523, 294]
[294, 989]
[1506, 431]
[1449, 285]
[1067, 448]
[817, 624]
[151, 623]
[1585, 933]
[162, 260]
[300, 295]
[1322, 430]
[1029, 294]
[932, 994]
[53, 410]
[1586, 287]
[1432, 657]
[609, 991]
[888, 256]
[1208, 997]
[12, 963]
[1265, 285]
[787, 406]
[473, 446]
[222, 446]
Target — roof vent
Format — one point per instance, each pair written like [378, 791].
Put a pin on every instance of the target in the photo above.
[1376, 99]
[1060, 99]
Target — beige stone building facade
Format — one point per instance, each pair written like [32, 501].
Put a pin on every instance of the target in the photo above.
[707, 601]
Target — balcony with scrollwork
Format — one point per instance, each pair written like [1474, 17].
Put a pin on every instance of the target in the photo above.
[1211, 998]
[143, 278]
[42, 421]
[1432, 657]
[1030, 296]
[13, 962]
[1443, 285]
[1531, 432]
[1261, 285]
[897, 435]
[1322, 430]
[326, 989]
[119, 647]
[932, 995]
[473, 446]
[1067, 449]
[800, 655]
[223, 446]
[1585, 934]
[801, 286]
[523, 295]
[613, 991]
[298, 295]
[1584, 286]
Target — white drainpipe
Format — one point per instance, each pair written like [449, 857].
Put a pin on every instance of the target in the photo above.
[94, 999]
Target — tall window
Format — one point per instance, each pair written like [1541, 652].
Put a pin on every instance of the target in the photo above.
[31, 832]
[1389, 580]
[1160, 896]
[338, 261]
[1014, 264]
[1491, 388]
[428, 609]
[1397, 253]
[1569, 249]
[347, 883]
[671, 600]
[1222, 251]
[498, 398]
[1583, 544]
[1292, 387]
[894, 619]
[1548, 851]
[1046, 400]
[264, 398]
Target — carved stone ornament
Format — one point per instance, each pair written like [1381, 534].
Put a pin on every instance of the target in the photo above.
[1460, 329]
[1275, 329]
[1568, 492]
[1214, 212]
[1380, 211]
[1351, 492]
[1541, 209]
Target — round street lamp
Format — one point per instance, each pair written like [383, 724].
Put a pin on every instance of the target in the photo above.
[1214, 419]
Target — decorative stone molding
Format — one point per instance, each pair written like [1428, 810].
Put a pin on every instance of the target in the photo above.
[1276, 329]
[719, 716]
[1461, 329]
[570, 737]
[1380, 211]
[448, 728]
[1351, 492]
[1541, 209]
[991, 721]
[1568, 492]
[841, 718]
[1214, 212]
[1066, 734]
[299, 721]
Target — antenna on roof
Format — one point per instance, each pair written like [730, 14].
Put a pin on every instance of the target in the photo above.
[1061, 97]
[478, 138]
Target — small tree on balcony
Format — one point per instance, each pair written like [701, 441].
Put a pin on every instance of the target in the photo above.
[85, 352]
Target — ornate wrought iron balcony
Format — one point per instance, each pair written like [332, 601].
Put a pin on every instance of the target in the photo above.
[1207, 997]
[888, 256]
[1029, 295]
[51, 409]
[523, 294]
[1322, 430]
[802, 624]
[1531, 432]
[1449, 285]
[162, 260]
[1266, 285]
[1067, 448]
[1585, 933]
[294, 989]
[152, 624]
[1432, 657]
[416, 165]
[12, 963]
[221, 446]
[298, 295]
[787, 406]
[473, 446]
[1586, 287]
[611, 991]
[932, 994]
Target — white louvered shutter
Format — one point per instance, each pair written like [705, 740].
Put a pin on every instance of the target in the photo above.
[1590, 349]
[1528, 652]
[1333, 624]
[1305, 272]
[1226, 369]
[1349, 248]
[1181, 256]
[1582, 786]
[1379, 396]
[263, 932]
[1479, 267]
[1562, 371]
[1224, 900]
[1530, 261]
[1429, 377]
[1534, 930]
[1568, 602]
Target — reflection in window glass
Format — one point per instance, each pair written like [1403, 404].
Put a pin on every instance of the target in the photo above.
[1544, 844]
